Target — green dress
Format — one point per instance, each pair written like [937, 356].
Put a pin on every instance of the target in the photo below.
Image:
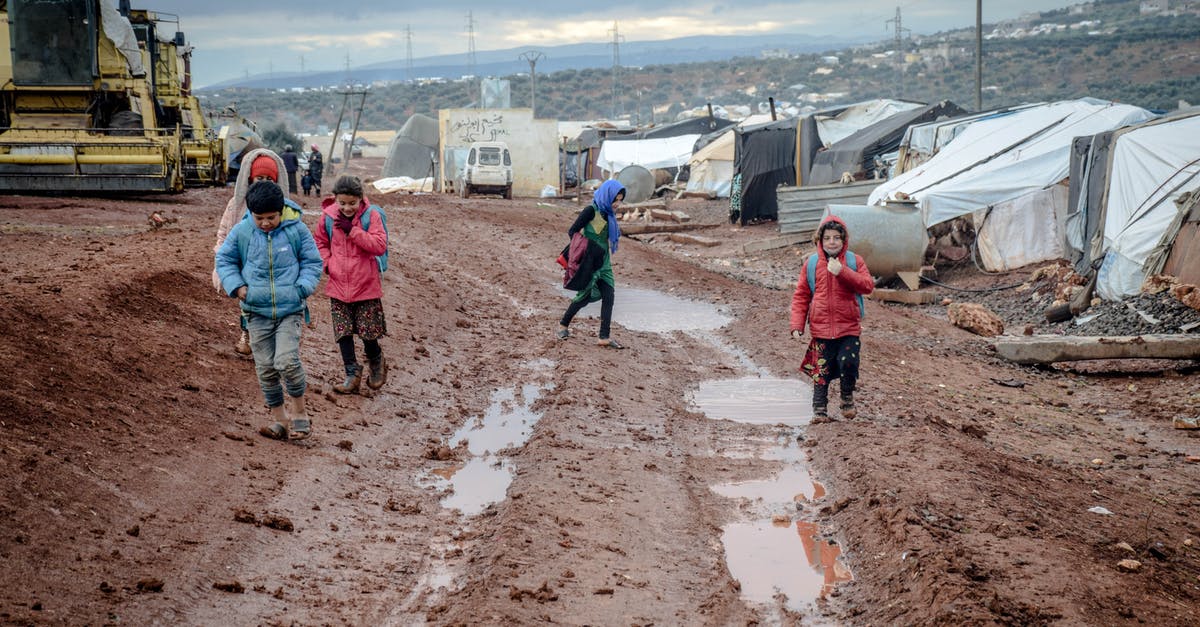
[597, 231]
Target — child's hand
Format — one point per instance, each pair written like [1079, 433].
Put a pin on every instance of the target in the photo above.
[343, 223]
[835, 266]
[241, 293]
[796, 333]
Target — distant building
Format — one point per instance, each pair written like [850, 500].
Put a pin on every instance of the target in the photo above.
[776, 53]
[1154, 6]
[830, 60]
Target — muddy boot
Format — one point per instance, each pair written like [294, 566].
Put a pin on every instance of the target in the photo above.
[353, 379]
[848, 410]
[301, 428]
[378, 374]
[820, 404]
[243, 344]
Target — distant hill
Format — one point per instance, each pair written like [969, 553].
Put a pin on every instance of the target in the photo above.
[695, 49]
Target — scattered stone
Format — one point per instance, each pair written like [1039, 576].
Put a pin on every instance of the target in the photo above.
[1183, 422]
[1100, 510]
[281, 523]
[230, 586]
[1129, 566]
[106, 588]
[779, 520]
[244, 516]
[1124, 546]
[150, 584]
[134, 531]
[975, 318]
[1097, 462]
[608, 591]
[345, 445]
[440, 453]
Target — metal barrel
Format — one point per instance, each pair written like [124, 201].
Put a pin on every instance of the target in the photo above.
[890, 237]
[638, 182]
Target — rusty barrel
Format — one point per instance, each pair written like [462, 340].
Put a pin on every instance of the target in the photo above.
[891, 237]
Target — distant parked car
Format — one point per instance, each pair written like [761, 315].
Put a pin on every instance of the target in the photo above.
[488, 170]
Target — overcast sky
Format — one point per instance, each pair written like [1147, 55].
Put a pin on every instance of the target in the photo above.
[233, 38]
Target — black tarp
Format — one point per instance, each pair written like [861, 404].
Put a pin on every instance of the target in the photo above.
[856, 152]
[690, 126]
[764, 157]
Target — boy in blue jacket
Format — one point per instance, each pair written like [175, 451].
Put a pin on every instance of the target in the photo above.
[270, 263]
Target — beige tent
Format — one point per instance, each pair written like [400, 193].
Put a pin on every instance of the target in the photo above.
[711, 167]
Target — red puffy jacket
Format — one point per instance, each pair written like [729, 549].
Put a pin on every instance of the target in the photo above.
[833, 311]
[350, 258]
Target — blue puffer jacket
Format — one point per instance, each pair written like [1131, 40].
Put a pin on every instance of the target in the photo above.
[281, 268]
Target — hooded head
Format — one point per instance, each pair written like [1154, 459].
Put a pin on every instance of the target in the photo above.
[603, 199]
[314, 147]
[832, 237]
[264, 165]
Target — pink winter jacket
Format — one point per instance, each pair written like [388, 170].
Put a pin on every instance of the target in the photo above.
[350, 258]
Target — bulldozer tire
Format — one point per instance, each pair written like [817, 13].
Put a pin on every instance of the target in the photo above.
[125, 123]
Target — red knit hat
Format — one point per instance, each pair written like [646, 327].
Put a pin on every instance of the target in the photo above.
[264, 165]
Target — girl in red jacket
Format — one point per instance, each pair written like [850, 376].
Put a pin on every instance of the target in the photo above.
[832, 307]
[354, 288]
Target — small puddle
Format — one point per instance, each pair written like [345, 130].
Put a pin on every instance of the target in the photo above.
[793, 484]
[756, 400]
[783, 558]
[483, 477]
[656, 312]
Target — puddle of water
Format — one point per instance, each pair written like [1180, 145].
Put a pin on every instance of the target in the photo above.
[793, 484]
[757, 400]
[789, 559]
[506, 422]
[481, 482]
[656, 312]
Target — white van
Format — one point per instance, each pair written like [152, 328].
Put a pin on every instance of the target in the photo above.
[488, 170]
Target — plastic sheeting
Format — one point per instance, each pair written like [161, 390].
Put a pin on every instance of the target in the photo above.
[670, 152]
[1002, 158]
[120, 32]
[1152, 166]
[847, 121]
[1021, 231]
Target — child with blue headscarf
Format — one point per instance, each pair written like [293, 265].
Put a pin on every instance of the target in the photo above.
[598, 223]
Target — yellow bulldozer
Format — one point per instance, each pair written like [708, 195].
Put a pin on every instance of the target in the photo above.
[93, 98]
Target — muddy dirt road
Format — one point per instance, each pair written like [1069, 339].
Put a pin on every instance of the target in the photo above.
[504, 477]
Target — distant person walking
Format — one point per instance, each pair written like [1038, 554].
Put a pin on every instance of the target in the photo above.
[270, 263]
[350, 236]
[597, 224]
[316, 167]
[291, 163]
[258, 164]
[828, 298]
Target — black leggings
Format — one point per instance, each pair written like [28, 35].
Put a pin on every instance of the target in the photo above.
[607, 294]
[346, 345]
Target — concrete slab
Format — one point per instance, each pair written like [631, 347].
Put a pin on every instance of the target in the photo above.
[903, 296]
[1047, 349]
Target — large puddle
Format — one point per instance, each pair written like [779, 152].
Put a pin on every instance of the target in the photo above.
[656, 312]
[757, 400]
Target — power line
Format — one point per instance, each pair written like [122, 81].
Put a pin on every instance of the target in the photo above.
[408, 66]
[532, 56]
[616, 68]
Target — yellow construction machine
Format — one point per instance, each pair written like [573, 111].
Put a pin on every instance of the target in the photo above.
[92, 99]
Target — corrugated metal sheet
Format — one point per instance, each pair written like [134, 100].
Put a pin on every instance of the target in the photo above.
[801, 208]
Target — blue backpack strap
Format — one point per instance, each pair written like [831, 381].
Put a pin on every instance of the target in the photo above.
[811, 267]
[329, 227]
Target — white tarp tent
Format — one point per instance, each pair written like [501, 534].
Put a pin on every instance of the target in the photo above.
[1152, 166]
[668, 152]
[997, 160]
[711, 168]
[835, 128]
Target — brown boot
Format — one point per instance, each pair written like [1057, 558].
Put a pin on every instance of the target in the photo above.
[848, 411]
[378, 374]
[353, 380]
[243, 344]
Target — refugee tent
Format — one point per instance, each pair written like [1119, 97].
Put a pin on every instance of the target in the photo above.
[689, 126]
[922, 141]
[764, 157]
[711, 165]
[668, 152]
[823, 128]
[856, 153]
[1007, 171]
[1149, 168]
[413, 151]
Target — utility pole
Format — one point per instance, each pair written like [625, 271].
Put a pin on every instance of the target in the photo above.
[616, 67]
[532, 56]
[408, 58]
[979, 55]
[330, 168]
[898, 50]
[471, 61]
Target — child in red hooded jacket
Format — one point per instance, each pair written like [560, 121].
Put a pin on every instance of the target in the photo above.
[832, 310]
[355, 286]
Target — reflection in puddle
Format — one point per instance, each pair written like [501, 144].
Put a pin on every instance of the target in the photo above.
[507, 422]
[481, 482]
[504, 424]
[794, 483]
[756, 400]
[656, 312]
[770, 559]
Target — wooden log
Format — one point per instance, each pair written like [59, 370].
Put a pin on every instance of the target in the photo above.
[775, 242]
[1047, 349]
[673, 216]
[684, 238]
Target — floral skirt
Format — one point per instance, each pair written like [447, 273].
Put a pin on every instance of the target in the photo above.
[363, 318]
[827, 360]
